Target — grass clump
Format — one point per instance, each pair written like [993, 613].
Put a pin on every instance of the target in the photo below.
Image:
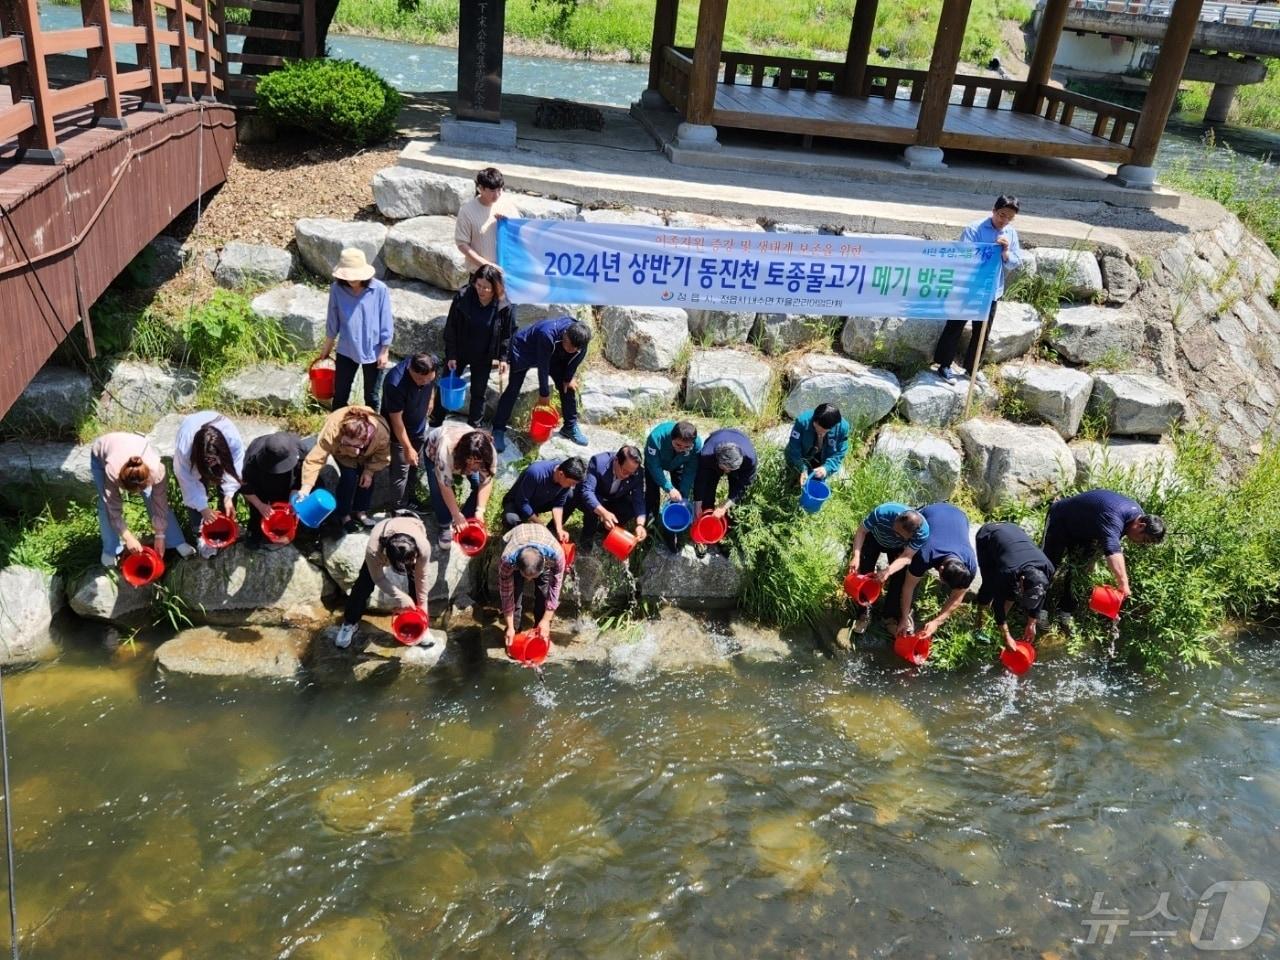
[333, 99]
[65, 543]
[1247, 187]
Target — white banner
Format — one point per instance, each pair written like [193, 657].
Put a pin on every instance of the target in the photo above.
[558, 261]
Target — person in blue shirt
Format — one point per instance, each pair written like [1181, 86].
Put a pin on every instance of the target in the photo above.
[995, 229]
[818, 444]
[611, 493]
[1092, 522]
[948, 553]
[359, 320]
[543, 485]
[556, 348]
[477, 333]
[726, 452]
[406, 400]
[893, 529]
[670, 466]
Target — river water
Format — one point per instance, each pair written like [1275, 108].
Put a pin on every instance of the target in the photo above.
[813, 808]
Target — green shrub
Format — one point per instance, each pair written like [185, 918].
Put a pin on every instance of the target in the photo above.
[223, 334]
[334, 99]
[65, 543]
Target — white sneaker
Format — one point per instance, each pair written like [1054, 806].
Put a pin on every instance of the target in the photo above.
[108, 560]
[185, 550]
[206, 551]
[346, 633]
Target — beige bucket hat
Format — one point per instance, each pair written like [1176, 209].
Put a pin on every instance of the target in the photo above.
[352, 265]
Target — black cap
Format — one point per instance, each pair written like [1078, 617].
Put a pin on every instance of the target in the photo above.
[279, 452]
[1031, 588]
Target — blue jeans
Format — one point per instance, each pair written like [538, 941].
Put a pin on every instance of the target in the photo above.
[351, 497]
[443, 517]
[111, 542]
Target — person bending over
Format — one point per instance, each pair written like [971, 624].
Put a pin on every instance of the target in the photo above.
[612, 493]
[555, 348]
[893, 529]
[530, 555]
[949, 554]
[1013, 571]
[543, 485]
[397, 544]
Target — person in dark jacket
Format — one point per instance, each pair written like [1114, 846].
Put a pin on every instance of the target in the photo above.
[1013, 571]
[948, 553]
[726, 452]
[670, 465]
[611, 493]
[818, 444]
[555, 348]
[406, 400]
[272, 471]
[543, 485]
[477, 333]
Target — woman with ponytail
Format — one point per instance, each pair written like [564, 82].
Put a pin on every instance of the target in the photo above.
[123, 463]
[360, 441]
[208, 455]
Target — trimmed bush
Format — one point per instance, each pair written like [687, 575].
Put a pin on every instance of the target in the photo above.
[335, 99]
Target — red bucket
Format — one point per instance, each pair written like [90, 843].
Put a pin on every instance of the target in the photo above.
[709, 529]
[912, 647]
[529, 648]
[620, 543]
[1106, 601]
[141, 568]
[472, 537]
[541, 423]
[282, 525]
[862, 588]
[220, 532]
[323, 373]
[410, 626]
[1019, 661]
[570, 554]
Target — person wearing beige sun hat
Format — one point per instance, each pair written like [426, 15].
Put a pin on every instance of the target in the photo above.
[359, 322]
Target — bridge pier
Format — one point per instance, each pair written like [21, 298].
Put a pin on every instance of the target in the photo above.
[1224, 94]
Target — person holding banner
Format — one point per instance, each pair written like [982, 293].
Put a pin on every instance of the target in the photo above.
[556, 347]
[818, 444]
[726, 452]
[476, 228]
[996, 229]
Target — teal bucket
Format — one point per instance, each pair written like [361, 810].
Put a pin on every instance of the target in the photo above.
[813, 495]
[313, 510]
[453, 391]
[676, 517]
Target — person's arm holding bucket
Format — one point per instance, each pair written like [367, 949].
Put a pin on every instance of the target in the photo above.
[452, 324]
[1115, 563]
[954, 599]
[901, 562]
[834, 463]
[638, 507]
[859, 538]
[386, 326]
[318, 455]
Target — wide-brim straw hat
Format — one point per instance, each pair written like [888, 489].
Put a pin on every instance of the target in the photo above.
[352, 265]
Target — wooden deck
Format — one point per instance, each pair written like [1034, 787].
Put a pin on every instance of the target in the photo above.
[824, 114]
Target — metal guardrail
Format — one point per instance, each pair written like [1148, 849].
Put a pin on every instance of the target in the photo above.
[1230, 14]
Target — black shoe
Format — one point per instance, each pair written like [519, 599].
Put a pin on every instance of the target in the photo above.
[353, 526]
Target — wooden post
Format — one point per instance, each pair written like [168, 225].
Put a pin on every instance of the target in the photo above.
[1163, 89]
[223, 68]
[144, 15]
[309, 30]
[1051, 23]
[942, 72]
[102, 63]
[29, 80]
[664, 35]
[977, 363]
[177, 21]
[204, 60]
[706, 61]
[855, 61]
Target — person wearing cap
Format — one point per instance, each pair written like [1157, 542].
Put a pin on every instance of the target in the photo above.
[272, 472]
[359, 321]
[406, 400]
[396, 545]
[670, 467]
[532, 553]
[1014, 570]
[208, 454]
[123, 463]
[360, 443]
[818, 444]
[477, 333]
[948, 553]
[1092, 522]
[556, 348]
[611, 494]
[454, 451]
[726, 452]
[544, 485]
[476, 227]
[893, 529]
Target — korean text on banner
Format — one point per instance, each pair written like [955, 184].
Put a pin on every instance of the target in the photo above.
[556, 261]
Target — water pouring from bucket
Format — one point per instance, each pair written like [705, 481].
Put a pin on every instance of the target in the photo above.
[529, 648]
[912, 647]
[1018, 661]
[570, 554]
[1106, 601]
[620, 543]
[709, 529]
[142, 568]
[862, 588]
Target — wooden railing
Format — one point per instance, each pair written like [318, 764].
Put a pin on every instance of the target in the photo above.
[1110, 120]
[673, 82]
[301, 33]
[991, 93]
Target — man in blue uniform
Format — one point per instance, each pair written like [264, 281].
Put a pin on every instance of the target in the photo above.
[611, 493]
[543, 485]
[555, 348]
[726, 452]
[893, 529]
[949, 554]
[818, 444]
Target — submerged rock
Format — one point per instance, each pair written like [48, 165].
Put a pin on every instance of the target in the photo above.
[58, 687]
[266, 652]
[346, 938]
[372, 804]
[791, 852]
[28, 600]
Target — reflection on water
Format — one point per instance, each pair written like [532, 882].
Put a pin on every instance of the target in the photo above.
[798, 809]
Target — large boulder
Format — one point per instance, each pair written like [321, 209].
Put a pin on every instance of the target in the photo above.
[1122, 281]
[242, 586]
[241, 651]
[1078, 270]
[452, 574]
[891, 341]
[402, 193]
[687, 580]
[644, 338]
[423, 248]
[268, 388]
[1056, 395]
[1012, 334]
[321, 242]
[1138, 403]
[543, 208]
[720, 328]
[628, 217]
[38, 473]
[599, 439]
[931, 461]
[252, 264]
[300, 310]
[527, 314]
[1007, 462]
[727, 380]
[53, 404]
[1092, 334]
[419, 313]
[863, 395]
[607, 394]
[777, 333]
[28, 600]
[929, 401]
[1143, 462]
[137, 389]
[102, 594]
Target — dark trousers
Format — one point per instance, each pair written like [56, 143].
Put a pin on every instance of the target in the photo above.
[568, 398]
[1060, 546]
[871, 551]
[540, 587]
[351, 497]
[274, 489]
[620, 507]
[653, 505]
[480, 368]
[345, 377]
[468, 508]
[362, 590]
[945, 352]
[512, 517]
[404, 478]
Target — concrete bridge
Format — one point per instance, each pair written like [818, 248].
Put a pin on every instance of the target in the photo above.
[1118, 36]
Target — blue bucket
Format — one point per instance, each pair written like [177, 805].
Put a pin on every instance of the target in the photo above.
[814, 495]
[313, 509]
[676, 517]
[453, 391]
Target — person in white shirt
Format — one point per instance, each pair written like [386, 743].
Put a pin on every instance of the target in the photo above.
[208, 453]
[476, 232]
